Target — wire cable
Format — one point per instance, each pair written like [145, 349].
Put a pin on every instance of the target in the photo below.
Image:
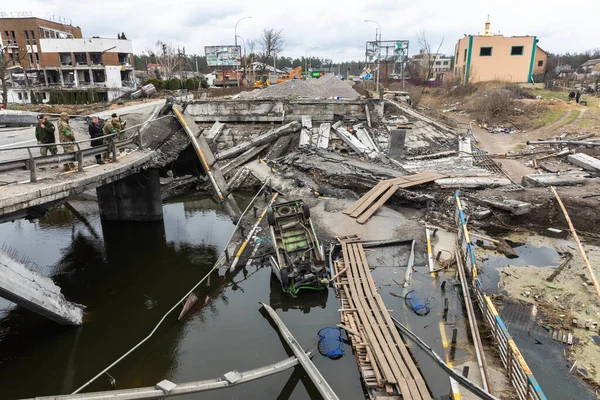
[215, 266]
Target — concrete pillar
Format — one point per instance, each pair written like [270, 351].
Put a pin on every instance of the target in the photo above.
[36, 293]
[135, 198]
[60, 75]
[46, 77]
[91, 77]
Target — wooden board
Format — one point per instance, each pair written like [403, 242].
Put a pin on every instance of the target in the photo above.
[365, 207]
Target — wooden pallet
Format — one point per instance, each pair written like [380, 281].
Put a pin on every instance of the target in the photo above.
[385, 364]
[365, 207]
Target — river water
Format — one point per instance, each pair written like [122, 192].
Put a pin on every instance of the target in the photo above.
[128, 275]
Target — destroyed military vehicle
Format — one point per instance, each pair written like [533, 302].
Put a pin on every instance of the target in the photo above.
[298, 262]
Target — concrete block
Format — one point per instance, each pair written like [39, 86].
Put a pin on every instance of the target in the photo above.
[562, 179]
[363, 135]
[36, 292]
[396, 144]
[352, 141]
[584, 161]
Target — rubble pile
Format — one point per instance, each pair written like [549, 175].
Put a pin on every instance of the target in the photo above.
[326, 87]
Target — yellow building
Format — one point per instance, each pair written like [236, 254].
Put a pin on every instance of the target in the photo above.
[490, 57]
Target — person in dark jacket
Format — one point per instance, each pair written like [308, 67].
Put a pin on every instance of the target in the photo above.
[44, 133]
[577, 96]
[95, 131]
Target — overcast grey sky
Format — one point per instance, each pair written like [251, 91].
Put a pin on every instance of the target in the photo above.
[336, 27]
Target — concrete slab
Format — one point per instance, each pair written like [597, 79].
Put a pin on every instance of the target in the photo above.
[306, 132]
[397, 140]
[36, 292]
[324, 135]
[473, 182]
[584, 161]
[562, 179]
[352, 141]
[515, 207]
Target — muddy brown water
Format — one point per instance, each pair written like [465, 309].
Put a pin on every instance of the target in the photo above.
[129, 274]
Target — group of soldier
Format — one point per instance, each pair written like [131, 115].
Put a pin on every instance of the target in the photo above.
[44, 133]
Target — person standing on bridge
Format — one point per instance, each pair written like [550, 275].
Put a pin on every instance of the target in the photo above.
[44, 133]
[119, 125]
[66, 135]
[95, 131]
[109, 128]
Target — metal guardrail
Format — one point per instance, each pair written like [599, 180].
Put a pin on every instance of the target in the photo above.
[517, 370]
[33, 162]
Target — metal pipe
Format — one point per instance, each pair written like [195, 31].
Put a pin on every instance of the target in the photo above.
[470, 385]
[574, 142]
[251, 233]
[312, 371]
[205, 165]
[479, 352]
[150, 392]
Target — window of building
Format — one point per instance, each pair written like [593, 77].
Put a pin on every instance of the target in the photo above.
[438, 63]
[30, 59]
[96, 58]
[27, 38]
[37, 58]
[20, 96]
[516, 51]
[541, 63]
[123, 58]
[32, 36]
[446, 62]
[80, 59]
[65, 59]
[43, 95]
[465, 58]
[26, 96]
[485, 51]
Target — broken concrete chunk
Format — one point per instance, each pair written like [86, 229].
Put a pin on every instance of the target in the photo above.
[214, 132]
[584, 161]
[324, 135]
[352, 141]
[562, 179]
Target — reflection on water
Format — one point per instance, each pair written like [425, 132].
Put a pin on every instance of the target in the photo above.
[128, 275]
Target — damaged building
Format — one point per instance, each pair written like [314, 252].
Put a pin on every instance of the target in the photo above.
[51, 61]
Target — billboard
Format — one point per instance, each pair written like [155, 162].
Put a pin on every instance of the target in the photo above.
[225, 56]
[387, 50]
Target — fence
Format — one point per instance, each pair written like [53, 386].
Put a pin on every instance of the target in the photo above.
[517, 369]
[111, 146]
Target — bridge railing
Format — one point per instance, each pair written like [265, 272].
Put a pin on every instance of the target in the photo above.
[109, 146]
[517, 370]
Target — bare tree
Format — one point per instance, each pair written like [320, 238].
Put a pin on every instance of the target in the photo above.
[168, 58]
[428, 60]
[272, 43]
[4, 78]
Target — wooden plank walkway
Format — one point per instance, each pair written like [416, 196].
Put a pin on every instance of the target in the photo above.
[365, 207]
[383, 359]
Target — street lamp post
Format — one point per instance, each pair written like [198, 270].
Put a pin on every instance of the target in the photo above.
[306, 59]
[378, 50]
[237, 69]
[244, 57]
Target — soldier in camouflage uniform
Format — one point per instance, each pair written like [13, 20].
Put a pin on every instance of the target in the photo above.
[109, 128]
[119, 125]
[44, 133]
[65, 133]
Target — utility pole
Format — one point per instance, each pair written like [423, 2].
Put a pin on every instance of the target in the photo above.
[378, 50]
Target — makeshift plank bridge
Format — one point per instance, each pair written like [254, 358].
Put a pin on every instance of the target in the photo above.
[387, 368]
[370, 203]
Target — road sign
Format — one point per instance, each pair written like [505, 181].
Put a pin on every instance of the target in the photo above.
[368, 70]
[367, 76]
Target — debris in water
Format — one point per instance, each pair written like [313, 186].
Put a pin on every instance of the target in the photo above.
[415, 304]
[331, 343]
